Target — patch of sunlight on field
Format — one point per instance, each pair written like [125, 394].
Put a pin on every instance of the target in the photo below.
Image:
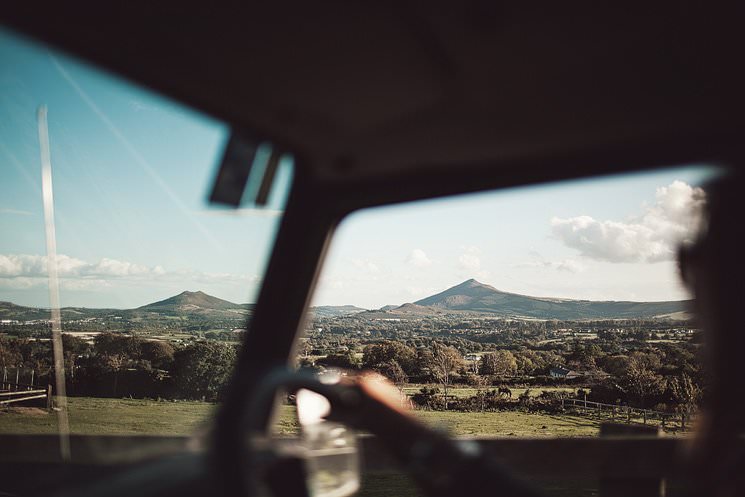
[94, 416]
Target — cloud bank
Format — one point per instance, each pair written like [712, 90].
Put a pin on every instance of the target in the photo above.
[651, 237]
[21, 271]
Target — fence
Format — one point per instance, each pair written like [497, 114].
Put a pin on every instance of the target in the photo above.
[628, 414]
[13, 391]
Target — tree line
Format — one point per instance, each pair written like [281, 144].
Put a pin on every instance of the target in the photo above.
[116, 365]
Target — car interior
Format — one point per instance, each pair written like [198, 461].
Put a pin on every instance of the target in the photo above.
[301, 118]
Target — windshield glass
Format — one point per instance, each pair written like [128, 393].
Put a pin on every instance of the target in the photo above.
[503, 313]
[545, 311]
[105, 187]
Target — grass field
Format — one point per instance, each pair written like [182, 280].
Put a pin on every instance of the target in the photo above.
[128, 416]
[461, 391]
[112, 416]
[132, 416]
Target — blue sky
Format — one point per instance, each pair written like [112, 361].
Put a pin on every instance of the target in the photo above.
[132, 172]
[131, 177]
[611, 238]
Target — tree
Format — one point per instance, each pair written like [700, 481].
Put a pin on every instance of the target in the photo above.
[394, 372]
[583, 356]
[615, 365]
[641, 380]
[423, 362]
[686, 393]
[344, 360]
[202, 369]
[445, 362]
[10, 355]
[114, 352]
[158, 353]
[501, 363]
[376, 356]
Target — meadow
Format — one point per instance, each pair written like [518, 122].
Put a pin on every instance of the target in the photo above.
[96, 416]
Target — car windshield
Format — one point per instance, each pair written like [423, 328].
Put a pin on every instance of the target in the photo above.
[544, 311]
[104, 212]
[537, 311]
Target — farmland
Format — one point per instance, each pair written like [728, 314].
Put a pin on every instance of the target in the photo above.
[133, 416]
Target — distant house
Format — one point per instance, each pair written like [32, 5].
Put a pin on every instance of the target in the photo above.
[472, 357]
[564, 373]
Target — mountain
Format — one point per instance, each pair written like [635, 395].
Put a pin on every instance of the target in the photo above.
[190, 301]
[186, 305]
[473, 296]
[9, 310]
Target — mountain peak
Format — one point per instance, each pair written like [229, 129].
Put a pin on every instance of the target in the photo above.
[474, 296]
[187, 293]
[197, 299]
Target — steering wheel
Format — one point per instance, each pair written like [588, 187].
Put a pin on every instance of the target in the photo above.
[439, 465]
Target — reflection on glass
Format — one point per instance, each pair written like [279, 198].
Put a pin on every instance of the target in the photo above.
[156, 286]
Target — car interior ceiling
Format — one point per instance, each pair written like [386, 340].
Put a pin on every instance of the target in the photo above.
[384, 103]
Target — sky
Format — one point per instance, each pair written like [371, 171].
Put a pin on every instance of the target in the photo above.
[131, 175]
[612, 238]
[132, 172]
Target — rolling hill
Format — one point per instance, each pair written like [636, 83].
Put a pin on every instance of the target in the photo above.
[470, 296]
[195, 305]
[473, 296]
[190, 300]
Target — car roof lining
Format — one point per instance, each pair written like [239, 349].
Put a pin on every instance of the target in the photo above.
[376, 90]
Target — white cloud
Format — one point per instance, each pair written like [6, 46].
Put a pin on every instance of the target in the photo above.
[24, 265]
[469, 259]
[418, 258]
[651, 237]
[23, 271]
[115, 268]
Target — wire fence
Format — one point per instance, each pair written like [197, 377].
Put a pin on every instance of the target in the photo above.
[628, 414]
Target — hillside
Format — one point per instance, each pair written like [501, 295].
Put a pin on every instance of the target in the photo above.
[188, 301]
[470, 296]
[473, 296]
[9, 310]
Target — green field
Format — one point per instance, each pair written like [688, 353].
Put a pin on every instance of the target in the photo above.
[112, 416]
[128, 416]
[131, 416]
[461, 391]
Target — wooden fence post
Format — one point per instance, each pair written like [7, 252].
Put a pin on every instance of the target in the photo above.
[49, 397]
[18, 372]
[32, 379]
